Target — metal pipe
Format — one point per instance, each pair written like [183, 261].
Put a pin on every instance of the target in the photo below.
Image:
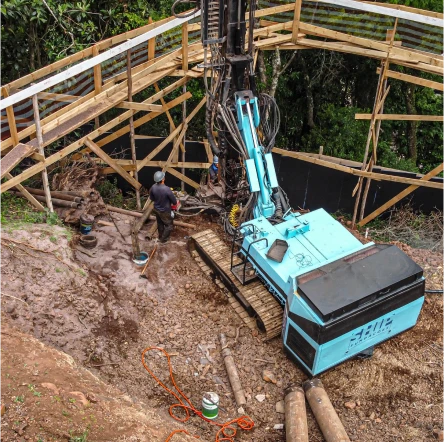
[324, 412]
[296, 427]
[56, 202]
[56, 194]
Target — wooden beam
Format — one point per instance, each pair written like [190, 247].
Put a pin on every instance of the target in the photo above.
[370, 7]
[131, 125]
[88, 64]
[143, 119]
[140, 106]
[296, 20]
[97, 72]
[151, 45]
[409, 9]
[413, 79]
[11, 119]
[27, 195]
[14, 157]
[62, 153]
[39, 134]
[400, 117]
[357, 172]
[117, 167]
[183, 178]
[400, 196]
[185, 46]
[159, 164]
[66, 98]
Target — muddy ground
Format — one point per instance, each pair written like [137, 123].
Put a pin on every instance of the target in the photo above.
[97, 309]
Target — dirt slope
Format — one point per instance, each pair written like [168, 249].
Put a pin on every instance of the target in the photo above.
[98, 310]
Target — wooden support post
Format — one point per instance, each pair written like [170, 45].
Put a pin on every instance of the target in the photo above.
[131, 124]
[358, 187]
[97, 81]
[170, 118]
[184, 117]
[400, 196]
[11, 119]
[185, 46]
[38, 130]
[27, 195]
[379, 109]
[296, 21]
[151, 44]
[117, 167]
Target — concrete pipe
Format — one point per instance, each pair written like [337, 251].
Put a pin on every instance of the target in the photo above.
[325, 414]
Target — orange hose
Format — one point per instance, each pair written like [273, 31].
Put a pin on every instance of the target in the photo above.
[227, 431]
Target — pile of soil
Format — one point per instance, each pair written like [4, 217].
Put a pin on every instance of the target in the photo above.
[96, 308]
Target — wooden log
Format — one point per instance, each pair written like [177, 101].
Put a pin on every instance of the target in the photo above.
[105, 223]
[137, 225]
[233, 375]
[14, 157]
[296, 427]
[324, 412]
[39, 134]
[117, 167]
[400, 196]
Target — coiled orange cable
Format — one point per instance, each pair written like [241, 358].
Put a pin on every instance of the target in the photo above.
[227, 431]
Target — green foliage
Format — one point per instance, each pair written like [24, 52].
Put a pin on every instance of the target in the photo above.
[82, 438]
[110, 193]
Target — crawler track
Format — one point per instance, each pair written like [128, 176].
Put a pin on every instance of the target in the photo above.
[253, 302]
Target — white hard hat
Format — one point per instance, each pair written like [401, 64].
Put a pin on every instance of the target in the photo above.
[216, 159]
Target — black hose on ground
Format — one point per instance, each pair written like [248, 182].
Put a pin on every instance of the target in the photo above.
[434, 291]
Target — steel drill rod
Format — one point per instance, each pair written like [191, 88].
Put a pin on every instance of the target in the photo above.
[55, 194]
[296, 427]
[56, 202]
[324, 412]
[233, 374]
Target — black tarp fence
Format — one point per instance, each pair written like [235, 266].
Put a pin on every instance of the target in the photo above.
[311, 186]
[308, 186]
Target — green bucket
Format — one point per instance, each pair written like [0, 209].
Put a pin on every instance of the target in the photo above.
[210, 405]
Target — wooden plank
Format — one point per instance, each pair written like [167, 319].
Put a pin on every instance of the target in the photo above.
[143, 119]
[413, 79]
[66, 98]
[159, 164]
[370, 7]
[400, 117]
[33, 170]
[183, 178]
[11, 118]
[87, 64]
[357, 172]
[140, 106]
[410, 9]
[14, 157]
[117, 167]
[39, 134]
[185, 46]
[400, 196]
[27, 195]
[151, 155]
[296, 20]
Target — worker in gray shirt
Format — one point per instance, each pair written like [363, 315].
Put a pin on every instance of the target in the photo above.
[163, 198]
